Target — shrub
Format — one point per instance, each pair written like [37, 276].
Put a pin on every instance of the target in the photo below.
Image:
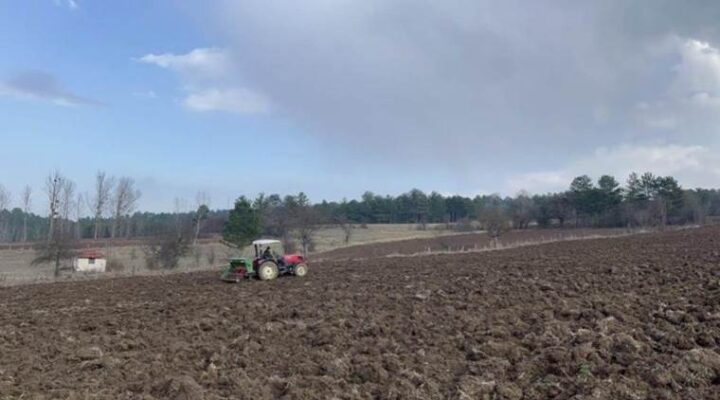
[464, 225]
[166, 252]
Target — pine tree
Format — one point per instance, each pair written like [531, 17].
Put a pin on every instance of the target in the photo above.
[243, 225]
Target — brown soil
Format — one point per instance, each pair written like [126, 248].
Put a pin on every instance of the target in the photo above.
[625, 318]
[465, 242]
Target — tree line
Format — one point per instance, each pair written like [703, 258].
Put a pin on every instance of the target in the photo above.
[109, 210]
[644, 200]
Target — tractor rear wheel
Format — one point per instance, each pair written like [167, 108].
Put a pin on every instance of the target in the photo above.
[301, 270]
[268, 271]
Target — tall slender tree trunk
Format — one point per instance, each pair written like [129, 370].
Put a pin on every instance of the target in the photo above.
[128, 228]
[197, 231]
[114, 227]
[52, 228]
[663, 213]
[57, 264]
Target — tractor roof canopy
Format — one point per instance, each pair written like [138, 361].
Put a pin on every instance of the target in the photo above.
[264, 242]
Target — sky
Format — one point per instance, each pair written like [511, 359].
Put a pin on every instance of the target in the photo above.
[337, 97]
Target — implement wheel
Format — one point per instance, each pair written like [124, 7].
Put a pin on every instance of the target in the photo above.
[301, 270]
[267, 271]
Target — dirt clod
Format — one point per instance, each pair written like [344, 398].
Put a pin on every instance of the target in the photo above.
[180, 388]
[89, 353]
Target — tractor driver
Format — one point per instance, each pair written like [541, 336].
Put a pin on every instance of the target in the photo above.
[267, 254]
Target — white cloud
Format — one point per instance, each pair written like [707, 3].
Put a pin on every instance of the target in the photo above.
[240, 101]
[207, 75]
[699, 69]
[691, 103]
[693, 166]
[208, 63]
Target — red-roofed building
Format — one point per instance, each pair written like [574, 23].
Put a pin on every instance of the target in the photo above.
[90, 260]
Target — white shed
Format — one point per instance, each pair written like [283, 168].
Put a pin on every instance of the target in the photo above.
[90, 261]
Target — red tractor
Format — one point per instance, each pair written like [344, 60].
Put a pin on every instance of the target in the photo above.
[269, 262]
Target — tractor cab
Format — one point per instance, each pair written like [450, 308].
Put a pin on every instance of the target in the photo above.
[268, 249]
[272, 250]
[268, 263]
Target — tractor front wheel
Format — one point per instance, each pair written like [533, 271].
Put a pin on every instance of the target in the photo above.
[301, 270]
[268, 271]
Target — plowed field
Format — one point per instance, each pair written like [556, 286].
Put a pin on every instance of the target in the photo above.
[466, 242]
[624, 318]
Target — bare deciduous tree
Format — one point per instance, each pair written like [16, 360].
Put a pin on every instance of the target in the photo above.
[67, 204]
[306, 229]
[306, 222]
[78, 214]
[59, 247]
[202, 198]
[59, 244]
[123, 202]
[4, 198]
[53, 187]
[26, 198]
[180, 206]
[347, 228]
[522, 210]
[166, 251]
[100, 200]
[495, 223]
[202, 201]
